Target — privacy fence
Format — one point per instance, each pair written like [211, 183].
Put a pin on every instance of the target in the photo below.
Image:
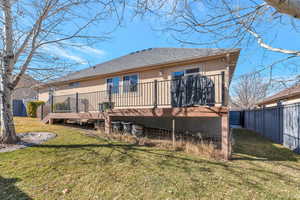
[280, 124]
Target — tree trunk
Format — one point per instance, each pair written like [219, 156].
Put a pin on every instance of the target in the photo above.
[7, 132]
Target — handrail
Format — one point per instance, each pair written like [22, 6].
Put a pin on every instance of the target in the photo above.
[184, 92]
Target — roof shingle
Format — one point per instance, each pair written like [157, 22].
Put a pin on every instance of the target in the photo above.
[286, 93]
[143, 58]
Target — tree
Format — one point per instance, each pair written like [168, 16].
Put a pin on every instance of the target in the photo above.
[229, 22]
[248, 91]
[30, 26]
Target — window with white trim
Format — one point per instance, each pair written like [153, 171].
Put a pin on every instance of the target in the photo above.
[113, 84]
[130, 83]
[179, 74]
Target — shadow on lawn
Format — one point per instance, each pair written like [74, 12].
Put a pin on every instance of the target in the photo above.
[166, 159]
[8, 190]
[127, 149]
[251, 146]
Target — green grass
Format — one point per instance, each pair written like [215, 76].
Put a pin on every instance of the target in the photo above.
[91, 168]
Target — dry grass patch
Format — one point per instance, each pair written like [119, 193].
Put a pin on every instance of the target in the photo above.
[198, 147]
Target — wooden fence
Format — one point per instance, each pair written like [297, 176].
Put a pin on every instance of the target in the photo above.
[280, 124]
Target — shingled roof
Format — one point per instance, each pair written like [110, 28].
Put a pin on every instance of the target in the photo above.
[144, 58]
[284, 94]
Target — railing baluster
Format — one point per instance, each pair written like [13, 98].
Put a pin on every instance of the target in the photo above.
[52, 103]
[155, 93]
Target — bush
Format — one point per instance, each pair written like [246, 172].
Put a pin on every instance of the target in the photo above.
[32, 107]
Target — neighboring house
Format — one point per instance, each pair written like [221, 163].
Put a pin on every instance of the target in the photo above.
[152, 87]
[25, 91]
[286, 96]
[26, 88]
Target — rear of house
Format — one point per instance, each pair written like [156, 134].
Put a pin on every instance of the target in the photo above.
[151, 87]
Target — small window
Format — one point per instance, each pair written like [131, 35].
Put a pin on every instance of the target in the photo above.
[192, 71]
[74, 84]
[130, 83]
[177, 75]
[113, 83]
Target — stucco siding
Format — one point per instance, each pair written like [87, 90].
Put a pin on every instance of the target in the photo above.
[144, 94]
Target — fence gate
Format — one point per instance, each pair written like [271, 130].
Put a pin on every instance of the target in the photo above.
[19, 108]
[236, 118]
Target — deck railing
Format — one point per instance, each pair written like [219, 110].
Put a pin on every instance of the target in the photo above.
[207, 90]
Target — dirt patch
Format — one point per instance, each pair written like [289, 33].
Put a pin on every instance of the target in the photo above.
[27, 140]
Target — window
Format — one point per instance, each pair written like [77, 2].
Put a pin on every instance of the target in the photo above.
[113, 83]
[130, 83]
[178, 75]
[74, 84]
[192, 71]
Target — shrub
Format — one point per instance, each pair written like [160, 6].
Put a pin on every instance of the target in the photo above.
[32, 107]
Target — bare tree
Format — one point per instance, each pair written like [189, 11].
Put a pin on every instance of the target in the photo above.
[31, 26]
[228, 22]
[248, 91]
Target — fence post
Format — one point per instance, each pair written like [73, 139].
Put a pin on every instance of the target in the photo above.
[155, 94]
[223, 88]
[77, 108]
[52, 103]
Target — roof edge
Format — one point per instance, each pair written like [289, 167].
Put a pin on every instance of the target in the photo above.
[278, 99]
[192, 59]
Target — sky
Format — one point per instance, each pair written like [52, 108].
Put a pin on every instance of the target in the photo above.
[137, 35]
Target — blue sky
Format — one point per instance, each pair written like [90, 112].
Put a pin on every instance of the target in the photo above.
[137, 35]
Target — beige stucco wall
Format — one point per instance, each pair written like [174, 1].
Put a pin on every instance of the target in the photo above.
[144, 96]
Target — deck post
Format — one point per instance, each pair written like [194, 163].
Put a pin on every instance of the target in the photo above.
[42, 111]
[52, 104]
[226, 145]
[77, 109]
[107, 126]
[223, 88]
[173, 132]
[155, 94]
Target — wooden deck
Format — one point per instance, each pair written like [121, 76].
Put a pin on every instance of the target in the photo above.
[146, 112]
[202, 111]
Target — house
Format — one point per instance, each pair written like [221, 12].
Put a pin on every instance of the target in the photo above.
[25, 88]
[25, 91]
[284, 97]
[152, 87]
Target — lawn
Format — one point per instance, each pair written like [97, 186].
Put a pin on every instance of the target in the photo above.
[75, 166]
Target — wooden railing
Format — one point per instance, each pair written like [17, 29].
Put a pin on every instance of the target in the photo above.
[184, 92]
